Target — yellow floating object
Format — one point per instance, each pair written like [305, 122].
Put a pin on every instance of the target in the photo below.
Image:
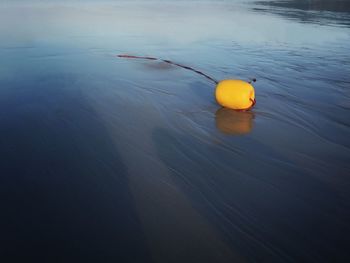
[235, 94]
[232, 122]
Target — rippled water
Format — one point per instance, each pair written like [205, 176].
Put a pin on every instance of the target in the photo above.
[106, 159]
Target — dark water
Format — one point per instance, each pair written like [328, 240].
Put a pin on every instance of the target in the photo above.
[112, 160]
[324, 12]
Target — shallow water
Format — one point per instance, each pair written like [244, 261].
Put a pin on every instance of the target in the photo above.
[106, 159]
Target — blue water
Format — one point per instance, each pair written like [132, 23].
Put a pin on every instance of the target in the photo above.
[105, 159]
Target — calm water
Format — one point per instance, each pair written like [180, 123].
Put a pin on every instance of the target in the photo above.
[112, 160]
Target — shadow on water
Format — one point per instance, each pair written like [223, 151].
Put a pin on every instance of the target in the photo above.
[309, 11]
[64, 187]
[264, 207]
[155, 66]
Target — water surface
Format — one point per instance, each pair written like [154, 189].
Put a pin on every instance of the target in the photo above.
[105, 159]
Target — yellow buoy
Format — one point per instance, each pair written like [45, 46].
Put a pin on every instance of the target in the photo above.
[235, 94]
[230, 93]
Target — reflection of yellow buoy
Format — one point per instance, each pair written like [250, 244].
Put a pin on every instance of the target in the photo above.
[232, 122]
[235, 94]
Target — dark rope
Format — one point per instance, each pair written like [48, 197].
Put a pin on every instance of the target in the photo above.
[172, 63]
